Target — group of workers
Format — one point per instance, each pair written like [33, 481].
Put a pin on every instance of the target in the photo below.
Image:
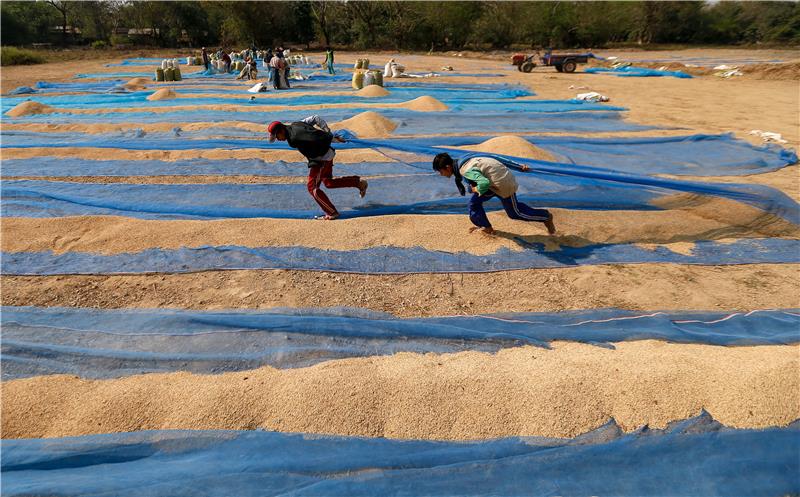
[274, 60]
[487, 177]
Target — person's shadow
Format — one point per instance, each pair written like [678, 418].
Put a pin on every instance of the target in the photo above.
[565, 249]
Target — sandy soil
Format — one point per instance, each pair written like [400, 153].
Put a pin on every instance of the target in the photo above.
[710, 220]
[342, 156]
[562, 392]
[643, 286]
[568, 390]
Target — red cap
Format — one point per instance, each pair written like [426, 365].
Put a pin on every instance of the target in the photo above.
[273, 128]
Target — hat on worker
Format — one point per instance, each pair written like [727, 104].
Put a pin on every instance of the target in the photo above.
[273, 128]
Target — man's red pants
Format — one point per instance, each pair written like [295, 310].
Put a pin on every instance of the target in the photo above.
[322, 174]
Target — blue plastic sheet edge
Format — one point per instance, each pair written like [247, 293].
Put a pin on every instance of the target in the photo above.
[631, 71]
[394, 260]
[112, 343]
[694, 457]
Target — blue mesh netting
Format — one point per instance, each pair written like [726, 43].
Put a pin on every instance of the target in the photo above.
[391, 195]
[697, 60]
[395, 260]
[94, 343]
[70, 166]
[628, 71]
[487, 94]
[698, 456]
[340, 83]
[469, 101]
[410, 122]
[602, 181]
[701, 155]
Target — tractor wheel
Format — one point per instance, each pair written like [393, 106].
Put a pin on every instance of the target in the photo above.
[569, 66]
[559, 68]
[527, 66]
[519, 67]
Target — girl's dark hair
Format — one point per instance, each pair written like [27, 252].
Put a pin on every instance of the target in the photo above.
[441, 161]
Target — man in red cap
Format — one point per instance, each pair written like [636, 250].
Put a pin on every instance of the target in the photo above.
[312, 137]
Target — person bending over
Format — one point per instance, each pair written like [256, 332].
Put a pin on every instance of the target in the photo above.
[488, 178]
[312, 137]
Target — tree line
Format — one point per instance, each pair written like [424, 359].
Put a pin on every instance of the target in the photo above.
[398, 25]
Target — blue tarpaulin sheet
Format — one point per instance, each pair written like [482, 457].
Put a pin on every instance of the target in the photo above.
[410, 122]
[690, 458]
[395, 260]
[390, 195]
[631, 71]
[93, 343]
[765, 198]
[574, 189]
[700, 155]
[71, 166]
[491, 96]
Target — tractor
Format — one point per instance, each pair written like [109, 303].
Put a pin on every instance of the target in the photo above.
[562, 62]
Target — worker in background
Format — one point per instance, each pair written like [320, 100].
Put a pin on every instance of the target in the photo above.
[488, 177]
[286, 70]
[205, 57]
[226, 59]
[267, 59]
[312, 137]
[276, 69]
[329, 60]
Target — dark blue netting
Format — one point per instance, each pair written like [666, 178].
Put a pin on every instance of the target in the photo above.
[95, 343]
[395, 260]
[603, 181]
[390, 195]
[70, 166]
[701, 155]
[697, 155]
[695, 457]
[631, 71]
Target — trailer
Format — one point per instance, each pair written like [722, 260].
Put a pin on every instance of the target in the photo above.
[562, 62]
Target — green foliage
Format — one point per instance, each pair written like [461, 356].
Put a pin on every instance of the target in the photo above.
[99, 45]
[24, 23]
[12, 56]
[120, 41]
[398, 24]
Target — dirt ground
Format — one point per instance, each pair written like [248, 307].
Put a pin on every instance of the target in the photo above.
[573, 388]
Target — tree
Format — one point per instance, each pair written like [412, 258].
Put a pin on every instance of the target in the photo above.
[62, 7]
[320, 12]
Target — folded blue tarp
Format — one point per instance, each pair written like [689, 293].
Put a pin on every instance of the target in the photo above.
[94, 343]
[628, 71]
[694, 457]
